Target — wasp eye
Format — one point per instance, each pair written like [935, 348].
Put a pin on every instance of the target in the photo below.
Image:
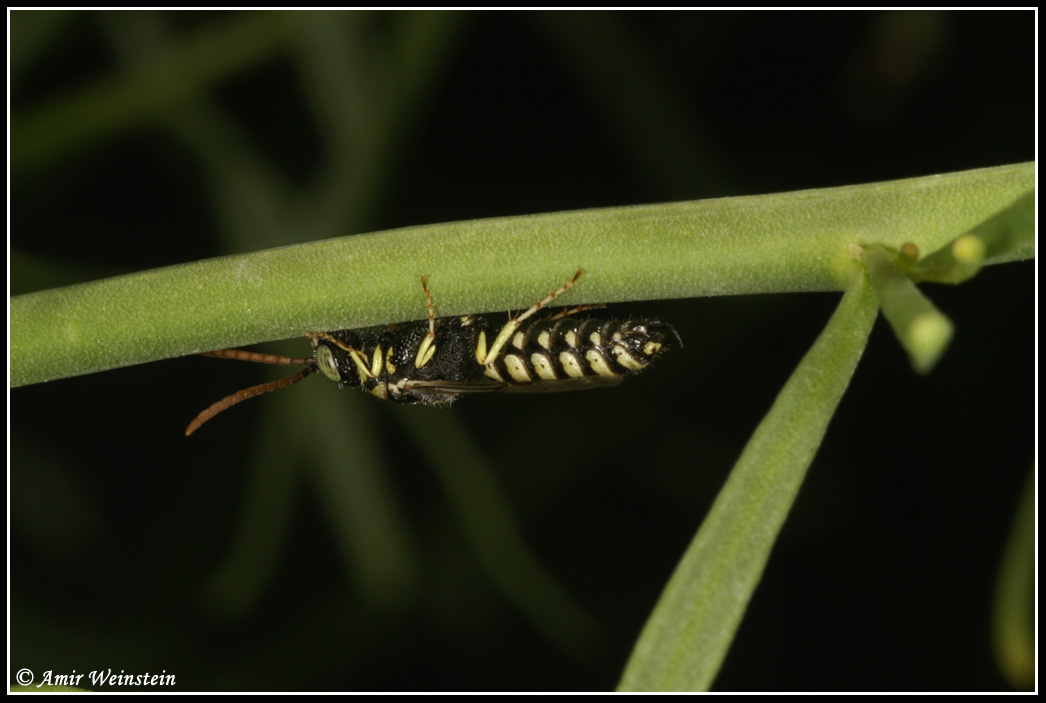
[327, 363]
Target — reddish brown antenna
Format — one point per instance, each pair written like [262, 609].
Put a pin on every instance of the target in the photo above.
[240, 396]
[258, 358]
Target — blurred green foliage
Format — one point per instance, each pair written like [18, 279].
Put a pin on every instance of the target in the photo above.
[305, 543]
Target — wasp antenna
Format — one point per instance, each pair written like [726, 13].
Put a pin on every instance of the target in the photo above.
[258, 358]
[240, 396]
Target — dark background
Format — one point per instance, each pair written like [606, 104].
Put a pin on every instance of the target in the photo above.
[253, 557]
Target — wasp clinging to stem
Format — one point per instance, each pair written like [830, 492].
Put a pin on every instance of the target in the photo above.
[437, 360]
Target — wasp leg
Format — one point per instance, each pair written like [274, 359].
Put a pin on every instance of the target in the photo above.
[428, 345]
[486, 357]
[575, 311]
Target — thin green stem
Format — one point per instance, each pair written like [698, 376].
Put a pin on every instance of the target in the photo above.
[803, 241]
[922, 329]
[1013, 619]
[688, 634]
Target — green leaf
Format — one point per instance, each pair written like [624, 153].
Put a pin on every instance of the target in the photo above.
[690, 630]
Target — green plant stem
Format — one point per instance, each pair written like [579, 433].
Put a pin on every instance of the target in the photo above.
[961, 259]
[1013, 619]
[693, 624]
[922, 329]
[803, 241]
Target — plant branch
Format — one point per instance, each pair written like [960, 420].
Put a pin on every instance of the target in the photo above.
[688, 634]
[802, 241]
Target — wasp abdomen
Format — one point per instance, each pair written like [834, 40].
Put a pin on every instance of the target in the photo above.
[547, 351]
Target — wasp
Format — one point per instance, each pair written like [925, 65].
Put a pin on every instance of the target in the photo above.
[437, 360]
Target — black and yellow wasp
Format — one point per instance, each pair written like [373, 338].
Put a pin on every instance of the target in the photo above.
[435, 361]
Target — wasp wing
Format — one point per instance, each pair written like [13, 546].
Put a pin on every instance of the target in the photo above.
[453, 388]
